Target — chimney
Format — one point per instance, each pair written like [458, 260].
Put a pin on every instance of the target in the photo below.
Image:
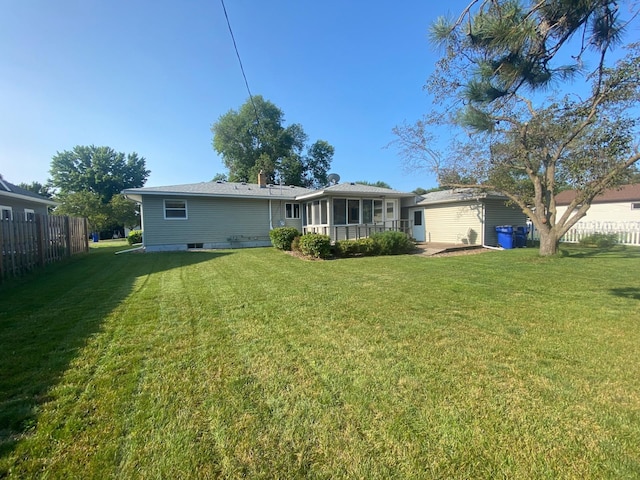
[262, 180]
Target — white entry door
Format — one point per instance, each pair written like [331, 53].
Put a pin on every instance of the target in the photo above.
[418, 228]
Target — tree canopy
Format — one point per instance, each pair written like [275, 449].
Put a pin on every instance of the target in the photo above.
[254, 139]
[379, 183]
[88, 181]
[540, 101]
[38, 188]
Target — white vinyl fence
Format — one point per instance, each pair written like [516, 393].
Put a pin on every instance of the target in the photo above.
[628, 232]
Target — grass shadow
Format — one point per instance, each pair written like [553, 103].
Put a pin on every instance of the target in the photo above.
[617, 251]
[627, 292]
[47, 317]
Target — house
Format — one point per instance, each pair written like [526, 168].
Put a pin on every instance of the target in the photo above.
[18, 203]
[460, 216]
[612, 209]
[235, 215]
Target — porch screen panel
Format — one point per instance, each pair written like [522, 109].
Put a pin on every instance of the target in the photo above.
[377, 211]
[324, 207]
[367, 211]
[354, 211]
[340, 211]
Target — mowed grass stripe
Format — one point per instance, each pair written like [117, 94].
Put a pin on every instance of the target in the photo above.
[256, 364]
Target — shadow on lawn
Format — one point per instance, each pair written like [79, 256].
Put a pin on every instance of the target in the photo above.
[618, 251]
[628, 292]
[46, 318]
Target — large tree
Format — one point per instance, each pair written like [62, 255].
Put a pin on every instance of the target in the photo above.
[254, 139]
[88, 181]
[541, 102]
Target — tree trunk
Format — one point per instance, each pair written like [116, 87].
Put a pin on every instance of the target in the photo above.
[549, 243]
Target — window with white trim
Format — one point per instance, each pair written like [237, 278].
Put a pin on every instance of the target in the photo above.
[635, 206]
[6, 213]
[175, 209]
[29, 215]
[292, 210]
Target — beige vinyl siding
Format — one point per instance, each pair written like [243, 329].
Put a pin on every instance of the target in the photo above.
[454, 222]
[214, 222]
[498, 213]
[600, 213]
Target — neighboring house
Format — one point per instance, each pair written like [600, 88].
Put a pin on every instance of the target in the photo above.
[460, 216]
[234, 215]
[610, 210]
[18, 203]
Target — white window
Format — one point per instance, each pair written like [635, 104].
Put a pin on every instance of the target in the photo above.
[371, 211]
[175, 209]
[29, 215]
[391, 215]
[6, 213]
[292, 210]
[635, 206]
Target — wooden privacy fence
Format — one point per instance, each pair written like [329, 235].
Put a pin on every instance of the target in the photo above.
[27, 244]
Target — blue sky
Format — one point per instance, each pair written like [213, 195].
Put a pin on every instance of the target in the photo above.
[152, 77]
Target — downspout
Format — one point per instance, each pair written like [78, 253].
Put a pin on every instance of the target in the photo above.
[270, 216]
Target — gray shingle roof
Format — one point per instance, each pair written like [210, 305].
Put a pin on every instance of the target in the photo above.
[223, 189]
[233, 189]
[15, 190]
[456, 195]
[357, 189]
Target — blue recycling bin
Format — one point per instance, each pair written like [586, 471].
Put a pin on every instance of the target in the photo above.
[96, 237]
[521, 236]
[505, 236]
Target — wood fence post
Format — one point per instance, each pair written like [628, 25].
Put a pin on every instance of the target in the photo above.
[67, 236]
[86, 235]
[2, 250]
[40, 239]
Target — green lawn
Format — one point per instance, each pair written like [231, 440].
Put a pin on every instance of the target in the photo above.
[253, 363]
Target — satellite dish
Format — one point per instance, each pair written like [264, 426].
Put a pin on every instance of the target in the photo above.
[333, 178]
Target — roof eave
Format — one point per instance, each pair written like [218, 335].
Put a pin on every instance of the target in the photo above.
[29, 198]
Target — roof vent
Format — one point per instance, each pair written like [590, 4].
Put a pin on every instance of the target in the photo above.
[352, 183]
[218, 181]
[243, 183]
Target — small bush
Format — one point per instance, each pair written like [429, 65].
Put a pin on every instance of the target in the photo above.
[295, 244]
[352, 248]
[392, 243]
[282, 237]
[315, 245]
[347, 248]
[600, 240]
[135, 236]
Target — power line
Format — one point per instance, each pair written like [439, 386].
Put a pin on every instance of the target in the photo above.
[241, 66]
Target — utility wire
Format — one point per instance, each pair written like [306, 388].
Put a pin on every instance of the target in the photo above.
[240, 62]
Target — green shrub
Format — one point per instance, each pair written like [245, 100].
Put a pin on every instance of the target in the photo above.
[600, 240]
[315, 245]
[135, 236]
[347, 248]
[351, 248]
[295, 244]
[282, 237]
[392, 243]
